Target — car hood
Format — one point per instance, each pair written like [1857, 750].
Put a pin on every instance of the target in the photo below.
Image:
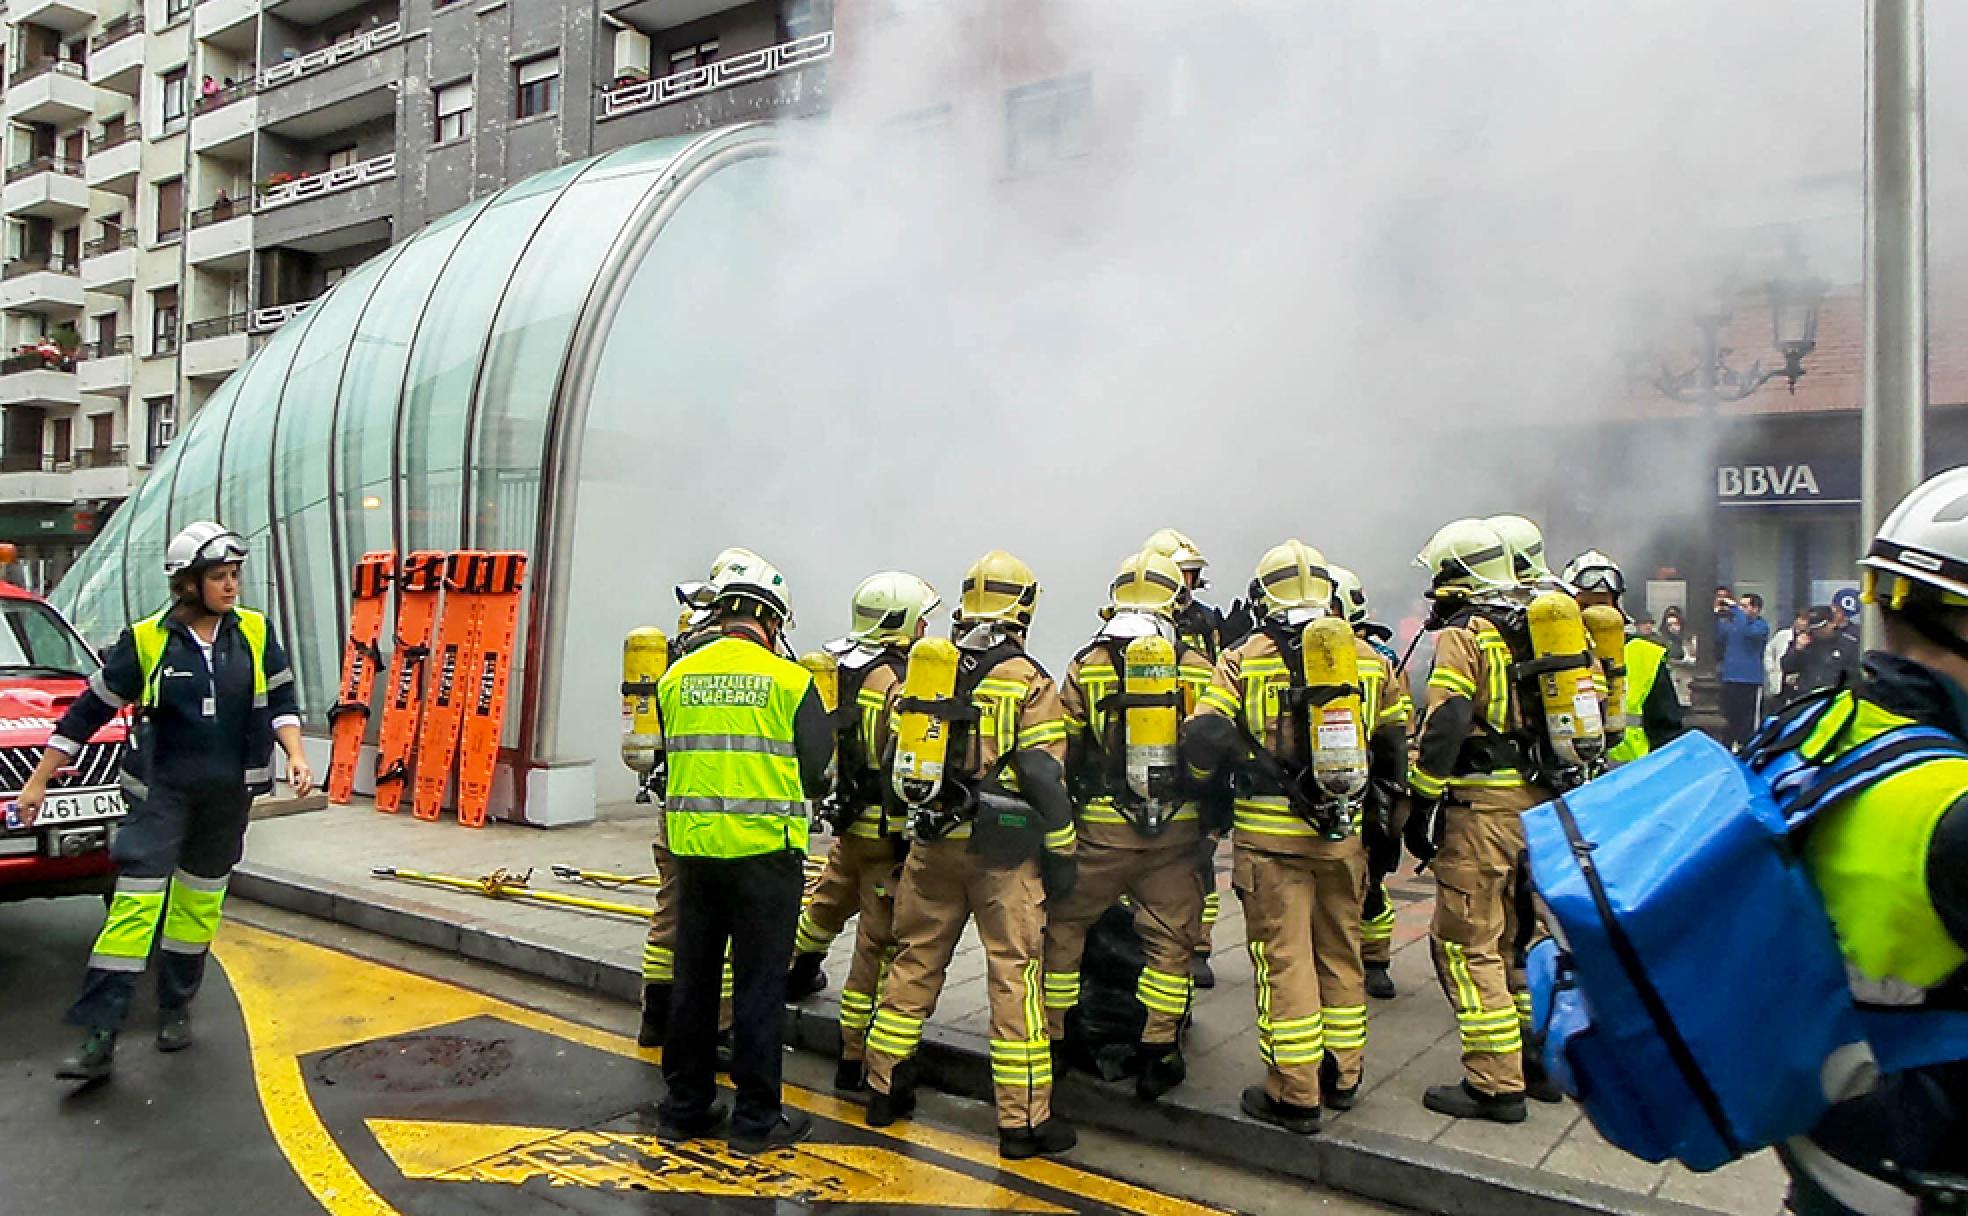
[29, 709]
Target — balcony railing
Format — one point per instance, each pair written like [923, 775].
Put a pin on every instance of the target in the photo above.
[102, 458]
[110, 242]
[41, 67]
[216, 327]
[314, 185]
[165, 341]
[104, 141]
[34, 361]
[34, 263]
[328, 56]
[266, 320]
[723, 74]
[116, 29]
[220, 98]
[109, 348]
[26, 462]
[218, 213]
[43, 164]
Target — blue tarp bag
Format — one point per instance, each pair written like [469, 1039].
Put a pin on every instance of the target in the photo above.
[1693, 998]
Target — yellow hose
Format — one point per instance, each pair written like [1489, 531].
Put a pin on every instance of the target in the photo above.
[502, 884]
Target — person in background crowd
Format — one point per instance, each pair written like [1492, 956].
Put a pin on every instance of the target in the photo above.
[1847, 652]
[1740, 635]
[1680, 653]
[1776, 684]
[1812, 662]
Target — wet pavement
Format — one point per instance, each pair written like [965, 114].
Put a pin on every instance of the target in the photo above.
[352, 1075]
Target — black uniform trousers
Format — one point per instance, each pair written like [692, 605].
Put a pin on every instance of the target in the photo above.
[752, 903]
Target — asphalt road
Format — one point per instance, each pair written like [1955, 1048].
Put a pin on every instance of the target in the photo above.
[338, 1072]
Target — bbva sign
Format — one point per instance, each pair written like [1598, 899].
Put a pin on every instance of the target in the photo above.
[1766, 481]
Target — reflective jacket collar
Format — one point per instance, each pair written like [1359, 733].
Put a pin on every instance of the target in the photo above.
[1917, 691]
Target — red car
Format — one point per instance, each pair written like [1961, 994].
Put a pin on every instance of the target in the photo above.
[45, 665]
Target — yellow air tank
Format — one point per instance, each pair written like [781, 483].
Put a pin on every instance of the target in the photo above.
[1564, 681]
[1605, 625]
[922, 738]
[1339, 739]
[825, 670]
[645, 657]
[1150, 722]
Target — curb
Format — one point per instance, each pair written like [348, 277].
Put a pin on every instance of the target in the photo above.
[1360, 1161]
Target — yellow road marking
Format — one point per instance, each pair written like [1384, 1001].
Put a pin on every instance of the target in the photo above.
[299, 999]
[817, 1173]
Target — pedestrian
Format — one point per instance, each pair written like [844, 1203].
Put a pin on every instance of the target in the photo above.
[747, 742]
[1776, 682]
[208, 87]
[213, 692]
[1891, 861]
[1847, 651]
[1740, 636]
[1813, 662]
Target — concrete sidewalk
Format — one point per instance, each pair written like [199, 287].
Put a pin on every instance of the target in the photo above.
[1388, 1148]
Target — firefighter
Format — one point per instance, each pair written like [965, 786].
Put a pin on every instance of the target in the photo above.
[213, 692]
[1299, 867]
[1137, 835]
[1653, 711]
[749, 743]
[1388, 710]
[1471, 775]
[991, 840]
[889, 611]
[1206, 628]
[1525, 542]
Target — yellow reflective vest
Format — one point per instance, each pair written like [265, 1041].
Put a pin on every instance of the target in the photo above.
[734, 788]
[1644, 658]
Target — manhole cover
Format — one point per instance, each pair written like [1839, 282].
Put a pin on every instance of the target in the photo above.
[416, 1063]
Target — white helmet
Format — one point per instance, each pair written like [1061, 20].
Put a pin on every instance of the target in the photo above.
[1526, 544]
[1468, 557]
[1922, 544]
[698, 595]
[743, 578]
[1594, 571]
[889, 606]
[1350, 595]
[1170, 543]
[201, 546]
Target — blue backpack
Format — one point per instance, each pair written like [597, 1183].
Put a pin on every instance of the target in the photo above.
[1693, 997]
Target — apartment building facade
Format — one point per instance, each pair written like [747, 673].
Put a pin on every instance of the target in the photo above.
[184, 178]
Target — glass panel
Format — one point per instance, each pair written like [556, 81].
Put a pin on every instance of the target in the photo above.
[372, 385]
[144, 591]
[195, 487]
[522, 366]
[244, 504]
[444, 361]
[301, 448]
[91, 594]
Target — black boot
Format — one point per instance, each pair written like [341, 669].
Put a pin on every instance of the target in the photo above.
[1200, 971]
[1332, 1095]
[173, 1029]
[805, 978]
[1465, 1101]
[850, 1076]
[91, 1062]
[1161, 1068]
[655, 1015]
[900, 1100]
[1380, 984]
[1048, 1139]
[1538, 1085]
[1301, 1120]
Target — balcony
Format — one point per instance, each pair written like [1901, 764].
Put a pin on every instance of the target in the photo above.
[27, 379]
[101, 473]
[68, 16]
[109, 264]
[785, 58]
[214, 17]
[221, 236]
[53, 91]
[223, 122]
[214, 348]
[335, 88]
[309, 12]
[334, 209]
[267, 320]
[33, 477]
[40, 282]
[106, 368]
[116, 55]
[115, 162]
[46, 186]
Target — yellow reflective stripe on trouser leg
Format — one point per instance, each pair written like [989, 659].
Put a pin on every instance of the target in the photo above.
[1062, 989]
[895, 1034]
[811, 938]
[1161, 992]
[1523, 1000]
[124, 943]
[1490, 1031]
[1467, 998]
[1212, 908]
[857, 1010]
[1027, 1064]
[1346, 1027]
[727, 984]
[658, 964]
[1261, 988]
[191, 918]
[1379, 928]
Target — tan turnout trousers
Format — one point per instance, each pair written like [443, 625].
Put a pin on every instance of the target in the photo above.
[1473, 934]
[859, 880]
[1166, 890]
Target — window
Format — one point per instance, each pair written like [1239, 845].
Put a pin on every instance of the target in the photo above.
[454, 111]
[688, 58]
[174, 100]
[64, 440]
[800, 19]
[102, 435]
[538, 89]
[160, 424]
[1048, 121]
[341, 158]
[164, 321]
[170, 209]
[36, 639]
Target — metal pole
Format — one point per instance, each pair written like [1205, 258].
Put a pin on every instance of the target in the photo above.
[1892, 426]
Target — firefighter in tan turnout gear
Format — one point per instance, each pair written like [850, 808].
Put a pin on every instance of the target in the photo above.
[1283, 718]
[1476, 766]
[890, 610]
[978, 762]
[1125, 695]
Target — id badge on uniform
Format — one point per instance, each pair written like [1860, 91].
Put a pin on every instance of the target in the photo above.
[209, 707]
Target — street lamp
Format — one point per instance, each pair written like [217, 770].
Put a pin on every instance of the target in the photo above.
[1794, 300]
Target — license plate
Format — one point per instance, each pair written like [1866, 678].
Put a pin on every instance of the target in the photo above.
[81, 806]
